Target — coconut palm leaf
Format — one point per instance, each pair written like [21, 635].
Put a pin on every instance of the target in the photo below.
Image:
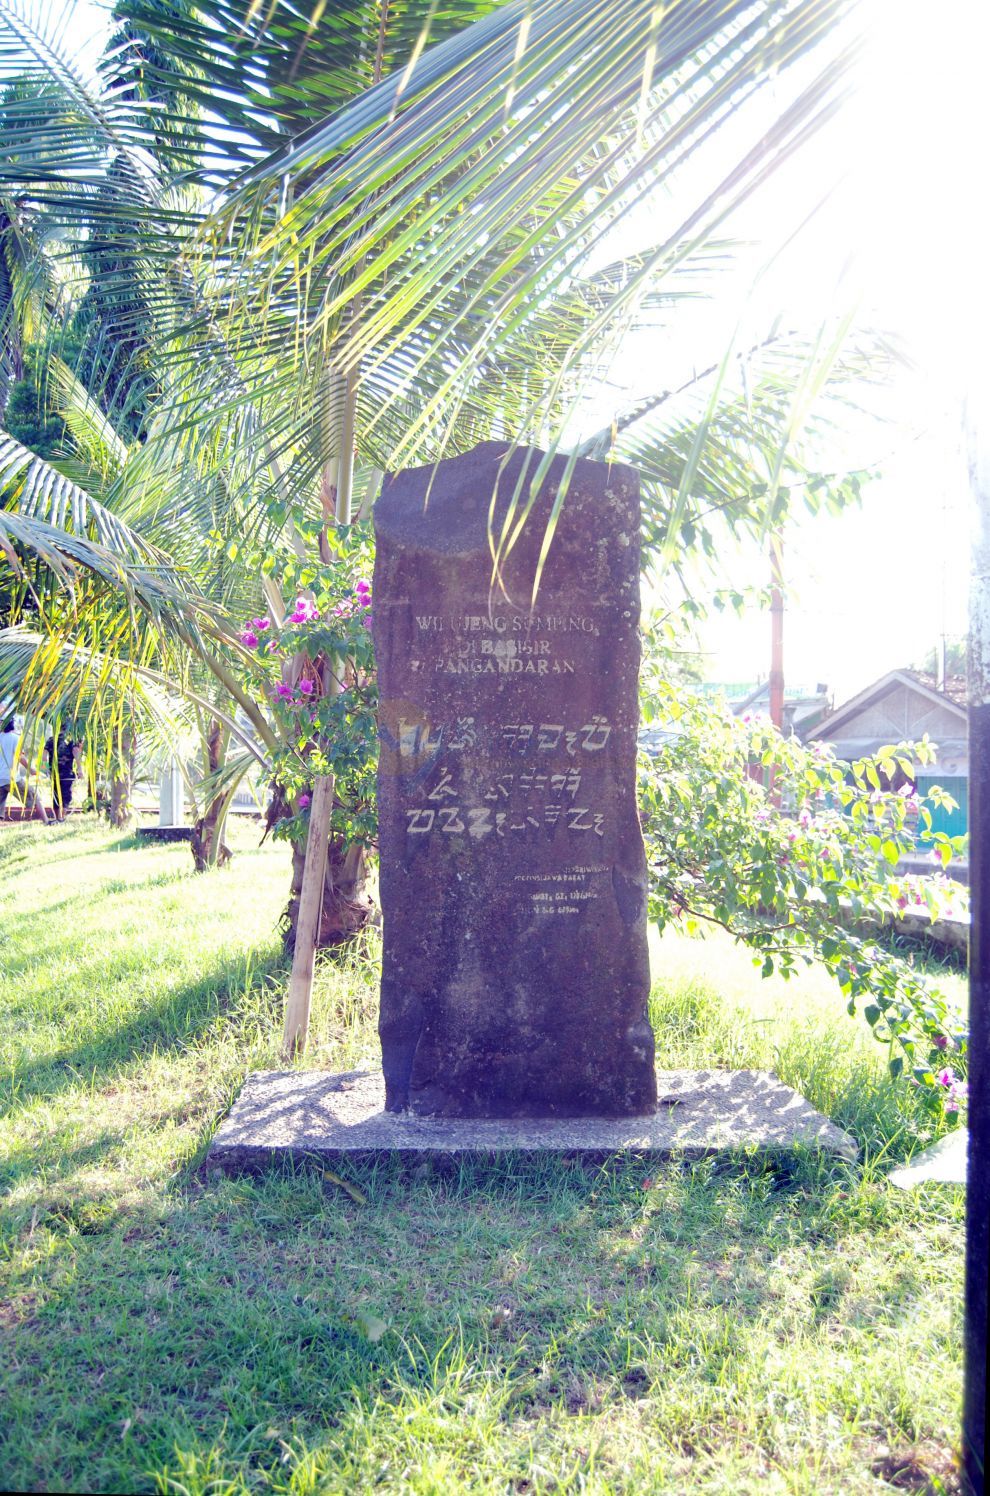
[45, 511]
[751, 463]
[516, 144]
[54, 679]
[434, 233]
[281, 66]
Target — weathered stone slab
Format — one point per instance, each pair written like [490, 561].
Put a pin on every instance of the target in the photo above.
[943, 1163]
[293, 1114]
[513, 876]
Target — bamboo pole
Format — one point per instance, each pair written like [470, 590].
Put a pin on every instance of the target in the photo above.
[342, 411]
[300, 996]
[299, 1000]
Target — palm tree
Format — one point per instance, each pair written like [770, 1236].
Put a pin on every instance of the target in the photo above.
[410, 273]
[123, 623]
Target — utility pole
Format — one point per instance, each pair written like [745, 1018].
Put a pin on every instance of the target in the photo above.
[978, 1164]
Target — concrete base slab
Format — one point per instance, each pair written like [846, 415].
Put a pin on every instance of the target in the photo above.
[944, 1163]
[298, 1114]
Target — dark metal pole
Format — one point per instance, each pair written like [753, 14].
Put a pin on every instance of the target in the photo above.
[978, 1177]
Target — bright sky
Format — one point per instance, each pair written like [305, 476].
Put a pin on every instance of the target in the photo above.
[875, 588]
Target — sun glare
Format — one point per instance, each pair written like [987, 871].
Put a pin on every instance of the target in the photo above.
[917, 127]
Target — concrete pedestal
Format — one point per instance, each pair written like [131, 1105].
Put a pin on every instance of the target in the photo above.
[283, 1115]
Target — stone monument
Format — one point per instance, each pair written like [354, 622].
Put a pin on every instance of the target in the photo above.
[513, 875]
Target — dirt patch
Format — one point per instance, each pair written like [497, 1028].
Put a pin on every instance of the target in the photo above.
[927, 1469]
[16, 1313]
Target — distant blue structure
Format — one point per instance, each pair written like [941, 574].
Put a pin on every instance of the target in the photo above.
[902, 707]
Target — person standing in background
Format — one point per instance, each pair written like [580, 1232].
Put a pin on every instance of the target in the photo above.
[61, 755]
[12, 758]
[9, 760]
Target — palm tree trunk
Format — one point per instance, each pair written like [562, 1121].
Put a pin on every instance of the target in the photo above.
[346, 908]
[208, 846]
[121, 808]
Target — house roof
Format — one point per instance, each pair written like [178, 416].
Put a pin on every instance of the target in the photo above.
[833, 724]
[956, 686]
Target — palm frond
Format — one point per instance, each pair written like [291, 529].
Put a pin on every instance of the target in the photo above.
[52, 679]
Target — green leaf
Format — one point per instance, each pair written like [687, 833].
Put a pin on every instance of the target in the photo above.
[370, 1325]
[349, 1189]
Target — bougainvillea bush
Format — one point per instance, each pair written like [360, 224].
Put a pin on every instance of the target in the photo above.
[793, 852]
[317, 673]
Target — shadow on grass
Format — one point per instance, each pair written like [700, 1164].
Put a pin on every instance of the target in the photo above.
[16, 840]
[273, 1320]
[58, 1198]
[109, 888]
[175, 1022]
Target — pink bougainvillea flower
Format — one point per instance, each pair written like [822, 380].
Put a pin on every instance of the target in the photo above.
[945, 1078]
[284, 691]
[363, 586]
[941, 1042]
[260, 624]
[306, 687]
[958, 1091]
[303, 801]
[902, 902]
[304, 611]
[249, 637]
[826, 855]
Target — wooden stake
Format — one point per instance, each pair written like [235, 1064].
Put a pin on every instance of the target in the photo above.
[299, 999]
[343, 414]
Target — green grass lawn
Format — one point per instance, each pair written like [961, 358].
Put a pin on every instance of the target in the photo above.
[762, 1325]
